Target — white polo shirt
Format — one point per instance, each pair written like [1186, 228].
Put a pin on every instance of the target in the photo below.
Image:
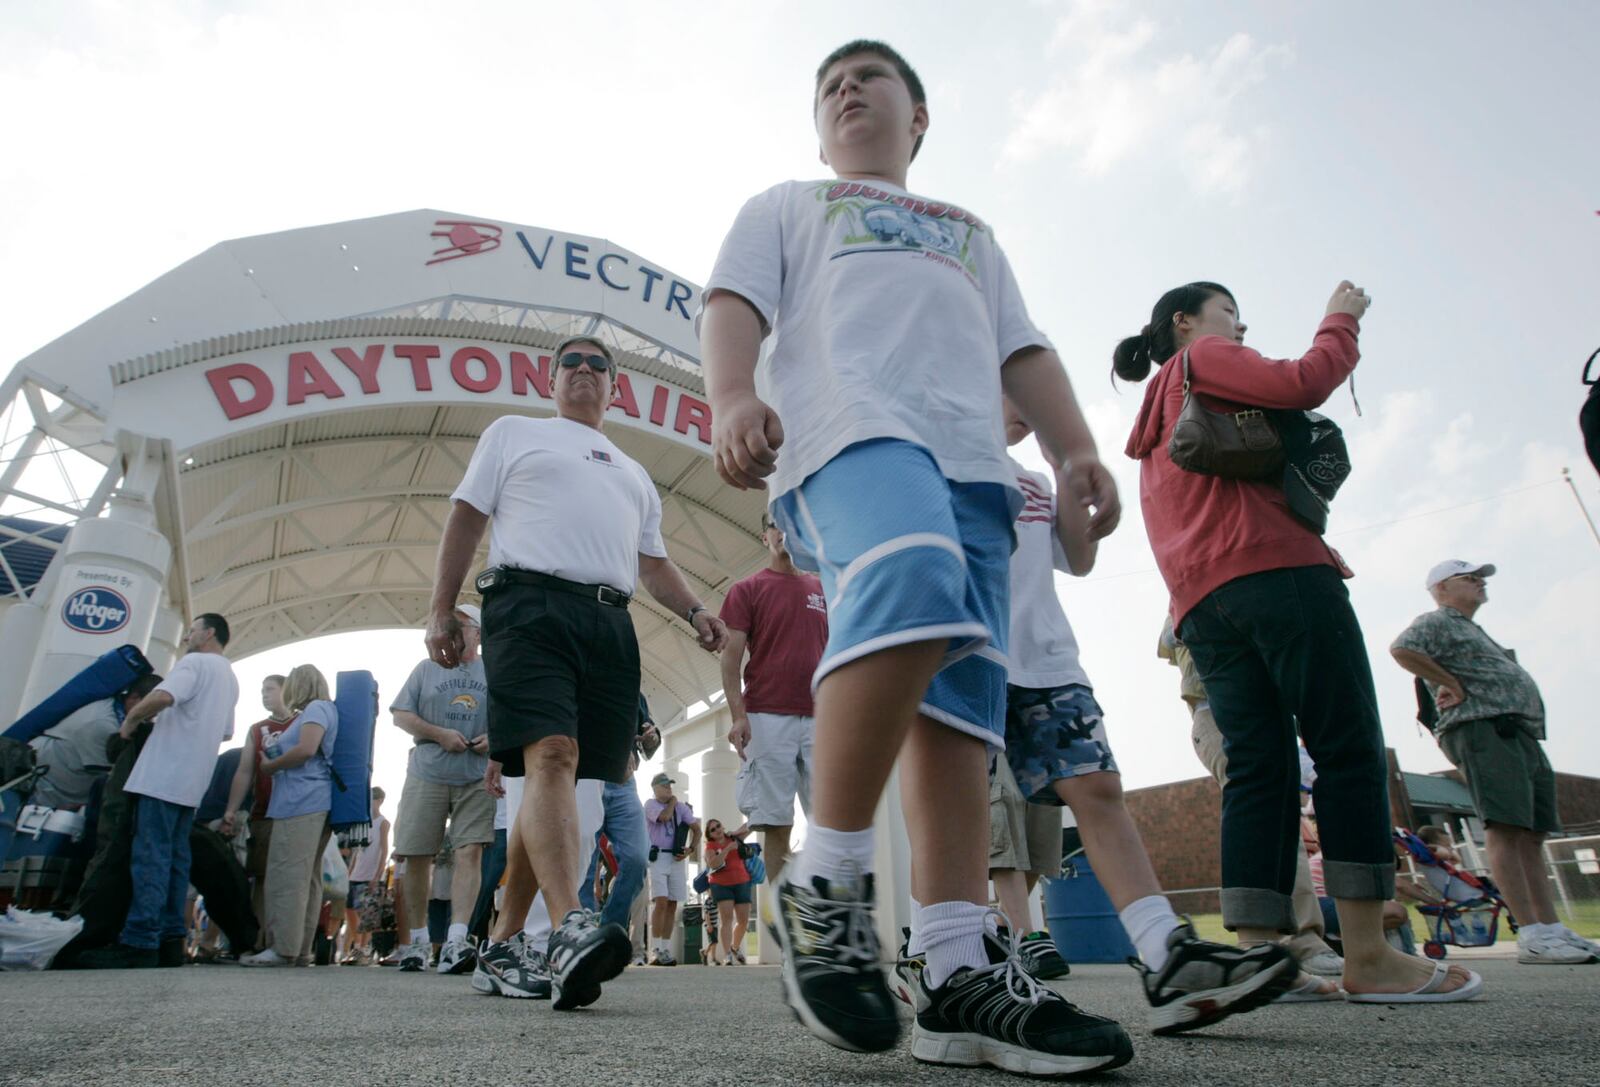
[564, 501]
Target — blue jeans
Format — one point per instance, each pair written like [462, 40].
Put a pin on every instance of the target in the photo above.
[624, 826]
[160, 873]
[492, 868]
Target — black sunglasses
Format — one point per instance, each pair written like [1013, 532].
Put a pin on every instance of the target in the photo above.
[574, 359]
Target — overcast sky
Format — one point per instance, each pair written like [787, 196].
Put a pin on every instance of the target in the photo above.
[1440, 155]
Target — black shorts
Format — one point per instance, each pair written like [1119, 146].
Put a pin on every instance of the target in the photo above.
[559, 664]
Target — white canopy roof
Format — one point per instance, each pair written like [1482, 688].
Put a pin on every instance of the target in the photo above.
[319, 391]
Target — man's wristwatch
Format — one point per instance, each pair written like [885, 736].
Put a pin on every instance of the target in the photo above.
[696, 610]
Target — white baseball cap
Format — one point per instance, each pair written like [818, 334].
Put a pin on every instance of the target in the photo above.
[1455, 568]
[471, 612]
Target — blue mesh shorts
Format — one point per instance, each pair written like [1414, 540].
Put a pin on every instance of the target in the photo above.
[906, 555]
[1054, 733]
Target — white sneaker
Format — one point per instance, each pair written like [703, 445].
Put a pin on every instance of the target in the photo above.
[1543, 950]
[1577, 941]
[457, 957]
[414, 958]
[268, 957]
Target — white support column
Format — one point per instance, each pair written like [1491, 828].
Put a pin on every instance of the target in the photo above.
[19, 629]
[164, 640]
[111, 574]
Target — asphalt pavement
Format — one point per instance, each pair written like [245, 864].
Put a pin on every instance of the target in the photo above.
[727, 1026]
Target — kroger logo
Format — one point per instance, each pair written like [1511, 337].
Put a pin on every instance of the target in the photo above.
[96, 611]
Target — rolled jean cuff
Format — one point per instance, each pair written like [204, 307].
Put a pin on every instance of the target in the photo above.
[1257, 907]
[1351, 879]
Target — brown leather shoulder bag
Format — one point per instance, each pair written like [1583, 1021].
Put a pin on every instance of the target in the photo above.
[1242, 444]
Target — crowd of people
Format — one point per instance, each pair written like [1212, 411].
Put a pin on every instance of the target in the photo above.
[906, 617]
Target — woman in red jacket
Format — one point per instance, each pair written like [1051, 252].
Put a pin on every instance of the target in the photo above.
[1259, 600]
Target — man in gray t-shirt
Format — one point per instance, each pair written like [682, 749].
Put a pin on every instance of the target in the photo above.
[74, 749]
[446, 712]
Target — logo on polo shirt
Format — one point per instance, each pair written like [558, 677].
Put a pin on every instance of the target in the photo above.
[600, 456]
[96, 611]
[816, 602]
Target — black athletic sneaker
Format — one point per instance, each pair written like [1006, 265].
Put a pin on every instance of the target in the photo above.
[172, 952]
[1001, 1016]
[119, 957]
[908, 973]
[1204, 982]
[1039, 956]
[831, 975]
[583, 955]
[512, 969]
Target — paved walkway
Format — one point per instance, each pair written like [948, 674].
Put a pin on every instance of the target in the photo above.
[726, 1026]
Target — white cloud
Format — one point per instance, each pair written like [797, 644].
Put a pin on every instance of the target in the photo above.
[1117, 96]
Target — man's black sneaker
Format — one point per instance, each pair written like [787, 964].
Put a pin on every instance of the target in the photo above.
[1001, 1016]
[511, 969]
[831, 975]
[584, 954]
[119, 957]
[172, 952]
[1204, 982]
[1039, 956]
[908, 973]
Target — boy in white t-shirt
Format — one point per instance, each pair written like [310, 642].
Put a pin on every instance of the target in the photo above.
[196, 703]
[895, 322]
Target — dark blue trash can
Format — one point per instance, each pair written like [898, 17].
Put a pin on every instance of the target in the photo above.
[1080, 917]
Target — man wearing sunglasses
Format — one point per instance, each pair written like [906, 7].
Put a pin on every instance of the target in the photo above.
[1490, 724]
[576, 527]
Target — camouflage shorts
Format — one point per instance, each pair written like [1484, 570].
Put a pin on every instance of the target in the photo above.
[1052, 734]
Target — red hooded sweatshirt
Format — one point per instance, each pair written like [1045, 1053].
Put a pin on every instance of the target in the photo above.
[1206, 530]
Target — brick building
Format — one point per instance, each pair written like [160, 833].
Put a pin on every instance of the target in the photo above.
[1181, 822]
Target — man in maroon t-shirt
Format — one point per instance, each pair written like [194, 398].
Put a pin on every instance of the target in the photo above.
[779, 617]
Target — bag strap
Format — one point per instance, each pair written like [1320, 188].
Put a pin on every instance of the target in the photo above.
[1186, 373]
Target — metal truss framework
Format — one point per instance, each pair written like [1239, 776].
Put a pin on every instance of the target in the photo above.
[51, 446]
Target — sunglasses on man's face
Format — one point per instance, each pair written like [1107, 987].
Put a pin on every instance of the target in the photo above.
[574, 359]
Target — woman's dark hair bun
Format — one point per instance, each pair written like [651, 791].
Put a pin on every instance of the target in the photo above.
[1156, 342]
[1131, 360]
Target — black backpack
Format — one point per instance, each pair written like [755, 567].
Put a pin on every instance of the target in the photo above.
[1317, 462]
[1589, 415]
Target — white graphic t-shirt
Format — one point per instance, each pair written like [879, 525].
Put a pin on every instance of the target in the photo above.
[565, 501]
[1043, 651]
[890, 316]
[176, 762]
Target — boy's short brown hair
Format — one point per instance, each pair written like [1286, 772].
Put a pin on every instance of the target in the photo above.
[913, 82]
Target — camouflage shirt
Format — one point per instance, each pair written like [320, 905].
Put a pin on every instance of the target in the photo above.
[1495, 684]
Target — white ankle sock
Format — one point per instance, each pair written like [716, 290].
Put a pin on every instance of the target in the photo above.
[835, 854]
[1149, 922]
[457, 931]
[419, 936]
[914, 941]
[952, 937]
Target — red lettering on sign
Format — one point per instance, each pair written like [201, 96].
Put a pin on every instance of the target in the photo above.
[488, 383]
[624, 398]
[658, 406]
[524, 374]
[233, 405]
[307, 377]
[364, 365]
[419, 355]
[693, 413]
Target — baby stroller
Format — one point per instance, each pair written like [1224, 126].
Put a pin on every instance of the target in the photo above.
[1469, 915]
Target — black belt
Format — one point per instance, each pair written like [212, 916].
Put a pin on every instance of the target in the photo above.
[498, 577]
